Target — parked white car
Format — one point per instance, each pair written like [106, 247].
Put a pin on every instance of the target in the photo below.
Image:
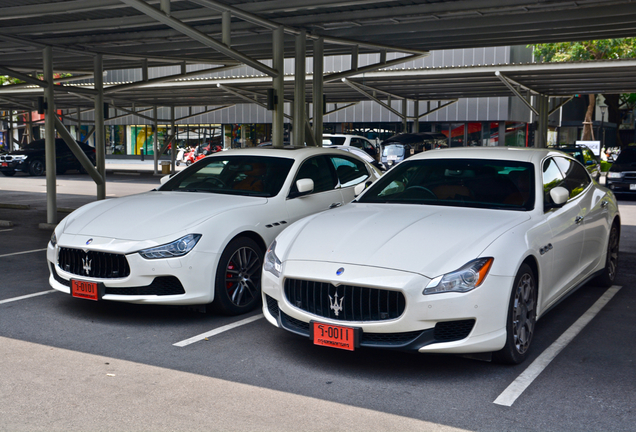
[451, 251]
[200, 237]
[350, 140]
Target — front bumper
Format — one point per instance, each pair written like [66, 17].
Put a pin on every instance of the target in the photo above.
[187, 280]
[439, 323]
[621, 186]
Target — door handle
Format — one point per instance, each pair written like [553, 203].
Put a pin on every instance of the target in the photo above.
[604, 204]
[334, 205]
[578, 219]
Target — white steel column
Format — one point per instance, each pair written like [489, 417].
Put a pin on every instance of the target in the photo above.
[278, 115]
[49, 137]
[155, 140]
[318, 108]
[299, 90]
[404, 115]
[173, 131]
[100, 139]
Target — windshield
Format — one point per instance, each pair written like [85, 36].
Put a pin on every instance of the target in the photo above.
[627, 156]
[457, 182]
[235, 175]
[393, 150]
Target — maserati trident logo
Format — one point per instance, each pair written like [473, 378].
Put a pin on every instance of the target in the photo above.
[335, 305]
[86, 265]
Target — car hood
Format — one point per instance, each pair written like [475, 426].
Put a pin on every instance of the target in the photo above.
[152, 214]
[429, 240]
[623, 167]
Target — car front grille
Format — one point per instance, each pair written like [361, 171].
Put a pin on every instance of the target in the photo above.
[345, 302]
[629, 175]
[93, 264]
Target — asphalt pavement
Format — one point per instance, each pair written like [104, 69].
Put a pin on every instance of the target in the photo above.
[73, 365]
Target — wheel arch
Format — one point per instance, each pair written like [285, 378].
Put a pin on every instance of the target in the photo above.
[252, 236]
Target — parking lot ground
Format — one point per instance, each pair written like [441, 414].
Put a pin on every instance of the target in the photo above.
[69, 364]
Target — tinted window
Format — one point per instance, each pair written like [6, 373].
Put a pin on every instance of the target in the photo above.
[320, 170]
[457, 182]
[576, 176]
[235, 175]
[333, 140]
[627, 156]
[552, 177]
[350, 171]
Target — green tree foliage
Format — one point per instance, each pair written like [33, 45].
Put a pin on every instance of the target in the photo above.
[605, 49]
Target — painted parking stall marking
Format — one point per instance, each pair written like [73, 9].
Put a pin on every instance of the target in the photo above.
[523, 381]
[22, 253]
[217, 331]
[26, 296]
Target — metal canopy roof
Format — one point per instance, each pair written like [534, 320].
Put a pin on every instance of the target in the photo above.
[552, 79]
[128, 31]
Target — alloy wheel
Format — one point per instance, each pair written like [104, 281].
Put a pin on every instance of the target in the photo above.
[524, 313]
[242, 276]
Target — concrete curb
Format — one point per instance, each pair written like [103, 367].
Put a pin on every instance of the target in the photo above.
[15, 206]
[4, 223]
[47, 226]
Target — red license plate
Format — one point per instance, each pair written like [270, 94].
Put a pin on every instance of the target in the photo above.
[335, 336]
[85, 290]
[4, 164]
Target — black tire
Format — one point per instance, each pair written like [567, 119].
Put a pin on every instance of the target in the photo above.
[8, 173]
[520, 318]
[606, 279]
[36, 167]
[237, 287]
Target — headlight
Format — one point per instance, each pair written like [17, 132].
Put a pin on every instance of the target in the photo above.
[614, 175]
[177, 248]
[272, 263]
[464, 279]
[53, 239]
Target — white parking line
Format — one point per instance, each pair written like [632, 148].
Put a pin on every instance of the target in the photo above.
[218, 331]
[523, 381]
[20, 253]
[6, 230]
[26, 296]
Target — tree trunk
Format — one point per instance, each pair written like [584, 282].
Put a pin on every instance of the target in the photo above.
[588, 131]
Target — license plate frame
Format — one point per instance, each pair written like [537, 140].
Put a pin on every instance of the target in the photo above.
[87, 290]
[323, 334]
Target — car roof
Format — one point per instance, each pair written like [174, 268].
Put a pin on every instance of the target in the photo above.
[522, 154]
[285, 152]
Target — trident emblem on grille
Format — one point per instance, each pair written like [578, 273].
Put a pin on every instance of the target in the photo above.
[86, 265]
[335, 305]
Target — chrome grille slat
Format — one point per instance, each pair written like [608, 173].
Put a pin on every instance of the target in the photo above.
[359, 304]
[102, 264]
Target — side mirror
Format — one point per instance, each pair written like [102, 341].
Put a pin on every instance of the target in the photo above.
[165, 178]
[359, 188]
[559, 195]
[304, 186]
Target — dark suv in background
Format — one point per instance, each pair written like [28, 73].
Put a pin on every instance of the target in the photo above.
[584, 155]
[621, 177]
[31, 159]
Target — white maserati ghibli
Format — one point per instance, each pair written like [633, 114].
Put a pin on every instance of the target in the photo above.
[200, 237]
[451, 251]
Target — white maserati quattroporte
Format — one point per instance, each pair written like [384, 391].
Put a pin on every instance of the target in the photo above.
[200, 237]
[451, 251]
